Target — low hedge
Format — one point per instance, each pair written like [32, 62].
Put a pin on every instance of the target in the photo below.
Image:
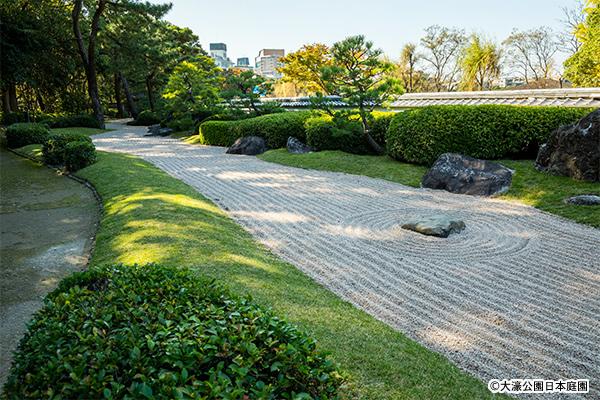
[68, 121]
[73, 150]
[26, 133]
[486, 131]
[380, 125]
[158, 332]
[274, 128]
[325, 133]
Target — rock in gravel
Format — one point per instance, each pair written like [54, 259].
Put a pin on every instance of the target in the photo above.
[438, 225]
[467, 175]
[156, 130]
[573, 150]
[295, 146]
[248, 145]
[584, 200]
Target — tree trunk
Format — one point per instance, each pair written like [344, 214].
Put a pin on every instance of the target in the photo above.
[40, 100]
[374, 145]
[89, 57]
[5, 103]
[12, 97]
[130, 102]
[119, 103]
[149, 89]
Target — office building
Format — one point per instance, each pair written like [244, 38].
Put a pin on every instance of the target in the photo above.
[267, 62]
[218, 52]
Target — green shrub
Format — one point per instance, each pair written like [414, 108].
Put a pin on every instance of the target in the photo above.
[146, 118]
[13, 118]
[380, 124]
[275, 128]
[327, 133]
[157, 332]
[25, 133]
[53, 148]
[218, 133]
[181, 124]
[487, 131]
[79, 154]
[68, 121]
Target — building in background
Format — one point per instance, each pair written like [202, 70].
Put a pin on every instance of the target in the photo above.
[218, 52]
[243, 63]
[267, 62]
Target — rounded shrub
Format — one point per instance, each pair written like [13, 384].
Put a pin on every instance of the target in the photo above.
[78, 155]
[275, 128]
[25, 133]
[380, 125]
[218, 133]
[327, 133]
[165, 333]
[53, 148]
[421, 135]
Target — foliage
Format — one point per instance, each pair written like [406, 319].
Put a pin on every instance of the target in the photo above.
[193, 87]
[217, 133]
[182, 124]
[583, 67]
[531, 52]
[243, 89]
[54, 147]
[10, 118]
[362, 79]
[480, 64]
[158, 332]
[79, 154]
[303, 67]
[412, 78]
[486, 131]
[67, 121]
[379, 126]
[335, 133]
[24, 133]
[146, 118]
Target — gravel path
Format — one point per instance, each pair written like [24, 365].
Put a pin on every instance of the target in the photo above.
[515, 295]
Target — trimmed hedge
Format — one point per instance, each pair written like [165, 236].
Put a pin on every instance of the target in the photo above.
[323, 133]
[79, 154]
[274, 128]
[158, 332]
[26, 133]
[487, 131]
[68, 121]
[380, 125]
[53, 148]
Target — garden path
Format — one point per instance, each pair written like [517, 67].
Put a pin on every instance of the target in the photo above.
[515, 295]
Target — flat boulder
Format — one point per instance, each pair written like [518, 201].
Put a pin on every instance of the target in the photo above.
[437, 225]
[573, 150]
[295, 146]
[248, 145]
[584, 200]
[157, 130]
[467, 175]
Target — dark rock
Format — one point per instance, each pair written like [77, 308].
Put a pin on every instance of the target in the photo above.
[297, 147]
[249, 145]
[156, 130]
[573, 150]
[584, 200]
[438, 225]
[467, 175]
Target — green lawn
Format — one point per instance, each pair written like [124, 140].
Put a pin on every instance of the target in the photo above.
[152, 217]
[541, 190]
[84, 131]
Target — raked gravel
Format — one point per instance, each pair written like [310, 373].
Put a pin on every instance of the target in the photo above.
[514, 295]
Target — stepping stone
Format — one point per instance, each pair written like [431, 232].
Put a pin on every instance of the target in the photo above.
[438, 225]
[584, 200]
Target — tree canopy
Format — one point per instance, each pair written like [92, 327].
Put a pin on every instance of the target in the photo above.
[583, 67]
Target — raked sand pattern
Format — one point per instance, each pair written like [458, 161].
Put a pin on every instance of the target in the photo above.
[515, 295]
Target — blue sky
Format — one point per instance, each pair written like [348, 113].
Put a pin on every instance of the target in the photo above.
[247, 26]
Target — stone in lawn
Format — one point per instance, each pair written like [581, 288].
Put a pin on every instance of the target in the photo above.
[467, 175]
[297, 147]
[573, 150]
[248, 145]
[437, 225]
[584, 200]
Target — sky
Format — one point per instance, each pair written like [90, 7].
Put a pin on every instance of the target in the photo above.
[248, 26]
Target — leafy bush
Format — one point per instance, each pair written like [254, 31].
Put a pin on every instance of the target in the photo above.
[67, 121]
[146, 118]
[486, 131]
[275, 128]
[79, 154]
[25, 133]
[13, 118]
[380, 124]
[53, 148]
[218, 133]
[157, 332]
[327, 133]
[182, 124]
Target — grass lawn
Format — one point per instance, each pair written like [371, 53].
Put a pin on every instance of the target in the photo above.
[541, 190]
[152, 217]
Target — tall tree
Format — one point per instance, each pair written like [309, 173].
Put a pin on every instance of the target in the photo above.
[480, 64]
[243, 89]
[409, 57]
[443, 46]
[303, 67]
[583, 67]
[362, 78]
[531, 53]
[573, 17]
